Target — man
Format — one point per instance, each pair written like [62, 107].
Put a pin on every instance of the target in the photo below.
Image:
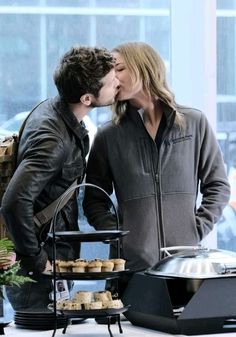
[51, 156]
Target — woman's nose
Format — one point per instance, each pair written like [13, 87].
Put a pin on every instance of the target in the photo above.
[117, 82]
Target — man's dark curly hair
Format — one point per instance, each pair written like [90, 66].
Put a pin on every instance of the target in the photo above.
[80, 72]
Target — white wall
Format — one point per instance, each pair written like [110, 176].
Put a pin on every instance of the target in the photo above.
[193, 60]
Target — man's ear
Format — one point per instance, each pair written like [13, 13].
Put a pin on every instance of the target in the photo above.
[86, 99]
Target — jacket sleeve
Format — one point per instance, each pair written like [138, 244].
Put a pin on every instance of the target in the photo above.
[96, 204]
[214, 185]
[41, 162]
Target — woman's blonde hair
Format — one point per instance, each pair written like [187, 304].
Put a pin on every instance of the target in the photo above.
[145, 65]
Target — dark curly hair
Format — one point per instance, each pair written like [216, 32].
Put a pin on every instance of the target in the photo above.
[80, 71]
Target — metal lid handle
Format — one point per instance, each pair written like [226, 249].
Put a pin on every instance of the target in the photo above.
[167, 250]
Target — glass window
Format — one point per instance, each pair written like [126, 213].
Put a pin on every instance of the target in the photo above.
[19, 58]
[58, 42]
[229, 4]
[226, 117]
[35, 34]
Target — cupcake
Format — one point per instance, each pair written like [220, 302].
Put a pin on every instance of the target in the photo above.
[79, 266]
[57, 266]
[64, 266]
[94, 266]
[60, 305]
[93, 305]
[68, 305]
[96, 305]
[116, 304]
[84, 296]
[103, 296]
[107, 265]
[76, 305]
[119, 264]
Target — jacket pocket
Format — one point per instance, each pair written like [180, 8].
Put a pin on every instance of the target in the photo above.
[179, 165]
[73, 171]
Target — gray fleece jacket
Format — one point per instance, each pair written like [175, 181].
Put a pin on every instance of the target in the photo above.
[157, 190]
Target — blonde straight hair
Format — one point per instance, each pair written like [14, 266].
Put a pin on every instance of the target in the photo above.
[145, 65]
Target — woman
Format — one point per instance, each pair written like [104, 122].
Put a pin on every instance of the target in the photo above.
[156, 154]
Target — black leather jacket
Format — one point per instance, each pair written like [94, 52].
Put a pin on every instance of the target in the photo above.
[51, 156]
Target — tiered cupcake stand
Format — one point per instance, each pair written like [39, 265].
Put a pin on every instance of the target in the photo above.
[106, 236]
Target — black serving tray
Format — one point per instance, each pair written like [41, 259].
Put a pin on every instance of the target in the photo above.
[93, 313]
[87, 276]
[105, 235]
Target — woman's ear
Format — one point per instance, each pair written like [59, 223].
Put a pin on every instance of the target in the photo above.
[86, 99]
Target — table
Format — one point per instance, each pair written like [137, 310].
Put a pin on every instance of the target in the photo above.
[89, 328]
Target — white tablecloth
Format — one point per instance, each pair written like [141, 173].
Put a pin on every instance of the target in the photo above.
[90, 329]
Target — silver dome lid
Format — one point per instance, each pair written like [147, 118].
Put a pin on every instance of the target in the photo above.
[195, 262]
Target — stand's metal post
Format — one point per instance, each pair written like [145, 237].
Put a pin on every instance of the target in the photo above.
[109, 325]
[119, 324]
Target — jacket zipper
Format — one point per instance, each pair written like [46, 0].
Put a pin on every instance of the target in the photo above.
[162, 240]
[157, 183]
[156, 167]
[155, 174]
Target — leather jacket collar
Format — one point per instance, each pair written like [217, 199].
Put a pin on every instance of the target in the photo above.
[63, 110]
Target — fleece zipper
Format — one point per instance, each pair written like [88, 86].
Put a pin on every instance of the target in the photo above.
[155, 163]
[155, 159]
[162, 240]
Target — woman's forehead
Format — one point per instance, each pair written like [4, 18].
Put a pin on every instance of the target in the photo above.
[118, 57]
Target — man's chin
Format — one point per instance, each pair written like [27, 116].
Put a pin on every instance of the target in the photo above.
[121, 97]
[118, 98]
[100, 105]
